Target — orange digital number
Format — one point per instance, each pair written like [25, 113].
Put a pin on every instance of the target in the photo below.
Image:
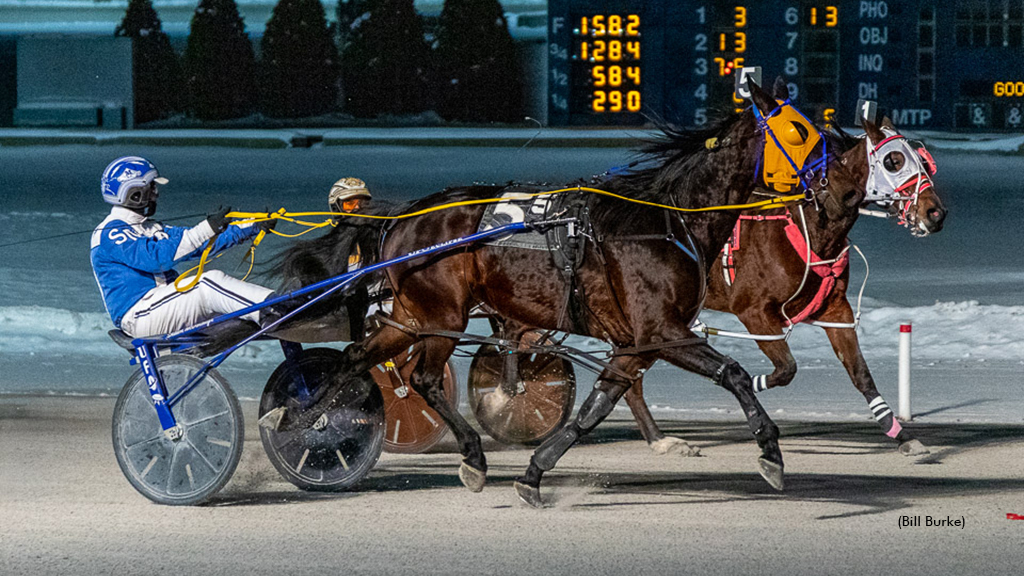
[583, 26]
[597, 104]
[615, 50]
[739, 42]
[633, 73]
[831, 16]
[740, 17]
[615, 99]
[632, 25]
[599, 50]
[633, 101]
[615, 25]
[583, 51]
[598, 23]
[721, 66]
[597, 73]
[634, 49]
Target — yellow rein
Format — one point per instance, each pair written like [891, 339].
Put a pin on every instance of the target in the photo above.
[243, 218]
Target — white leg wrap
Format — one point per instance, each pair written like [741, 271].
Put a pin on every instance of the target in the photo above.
[879, 408]
[760, 383]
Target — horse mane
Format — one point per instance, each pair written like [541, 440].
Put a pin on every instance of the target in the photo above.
[672, 158]
[325, 256]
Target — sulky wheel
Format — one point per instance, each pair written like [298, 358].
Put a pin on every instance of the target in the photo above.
[341, 448]
[192, 468]
[413, 426]
[528, 410]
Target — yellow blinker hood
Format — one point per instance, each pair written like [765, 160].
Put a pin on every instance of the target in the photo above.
[798, 137]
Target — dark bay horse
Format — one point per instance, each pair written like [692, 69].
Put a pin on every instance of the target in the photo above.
[642, 287]
[767, 270]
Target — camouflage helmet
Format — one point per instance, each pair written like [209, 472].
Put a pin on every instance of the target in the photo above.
[347, 189]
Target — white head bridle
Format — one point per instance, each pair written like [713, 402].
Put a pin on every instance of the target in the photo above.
[888, 184]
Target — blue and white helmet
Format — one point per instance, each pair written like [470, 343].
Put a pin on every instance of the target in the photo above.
[128, 182]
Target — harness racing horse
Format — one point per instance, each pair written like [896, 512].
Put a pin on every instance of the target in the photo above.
[760, 278]
[641, 284]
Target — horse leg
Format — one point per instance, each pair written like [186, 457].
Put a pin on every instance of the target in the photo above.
[607, 391]
[724, 371]
[656, 440]
[847, 348]
[428, 381]
[777, 351]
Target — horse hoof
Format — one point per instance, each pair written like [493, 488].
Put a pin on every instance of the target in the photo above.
[272, 419]
[672, 445]
[472, 478]
[913, 448]
[529, 495]
[771, 472]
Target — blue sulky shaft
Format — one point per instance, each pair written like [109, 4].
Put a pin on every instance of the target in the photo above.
[146, 346]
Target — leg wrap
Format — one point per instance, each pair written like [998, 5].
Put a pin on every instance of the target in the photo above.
[724, 369]
[554, 447]
[883, 414]
[595, 408]
[760, 383]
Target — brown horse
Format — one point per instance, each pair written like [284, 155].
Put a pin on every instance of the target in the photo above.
[767, 270]
[641, 284]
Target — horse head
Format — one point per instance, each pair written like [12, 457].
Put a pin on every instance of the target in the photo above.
[900, 179]
[798, 155]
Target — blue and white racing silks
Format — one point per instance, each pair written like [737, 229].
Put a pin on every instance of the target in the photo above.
[131, 255]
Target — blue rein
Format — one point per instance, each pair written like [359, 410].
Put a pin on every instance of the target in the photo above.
[807, 172]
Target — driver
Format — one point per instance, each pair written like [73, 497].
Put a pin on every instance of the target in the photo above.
[348, 196]
[133, 258]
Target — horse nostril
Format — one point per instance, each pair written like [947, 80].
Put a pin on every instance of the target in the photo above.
[936, 215]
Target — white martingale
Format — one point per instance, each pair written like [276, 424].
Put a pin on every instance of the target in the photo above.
[879, 408]
[760, 383]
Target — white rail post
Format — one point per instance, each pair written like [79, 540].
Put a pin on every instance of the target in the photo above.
[904, 378]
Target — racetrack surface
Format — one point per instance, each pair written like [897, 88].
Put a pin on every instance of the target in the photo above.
[616, 507]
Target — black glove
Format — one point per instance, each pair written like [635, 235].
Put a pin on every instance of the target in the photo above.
[267, 225]
[218, 218]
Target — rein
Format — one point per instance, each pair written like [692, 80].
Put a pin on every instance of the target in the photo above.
[807, 172]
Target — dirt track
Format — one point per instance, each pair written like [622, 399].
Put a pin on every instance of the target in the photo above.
[616, 507]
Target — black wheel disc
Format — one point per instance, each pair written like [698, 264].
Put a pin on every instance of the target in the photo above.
[342, 448]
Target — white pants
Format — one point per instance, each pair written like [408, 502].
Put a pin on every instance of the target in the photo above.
[164, 310]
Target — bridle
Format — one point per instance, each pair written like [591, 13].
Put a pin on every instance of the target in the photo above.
[804, 172]
[898, 187]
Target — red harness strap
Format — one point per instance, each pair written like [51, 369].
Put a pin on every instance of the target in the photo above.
[733, 245]
[828, 272]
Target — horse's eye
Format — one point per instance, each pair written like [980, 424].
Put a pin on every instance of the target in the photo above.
[893, 161]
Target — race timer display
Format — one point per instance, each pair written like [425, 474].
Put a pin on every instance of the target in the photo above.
[954, 64]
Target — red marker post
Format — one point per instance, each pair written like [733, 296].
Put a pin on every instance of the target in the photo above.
[904, 376]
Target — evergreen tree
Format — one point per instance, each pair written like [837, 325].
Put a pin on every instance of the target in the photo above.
[386, 62]
[300, 61]
[155, 68]
[219, 62]
[348, 13]
[479, 76]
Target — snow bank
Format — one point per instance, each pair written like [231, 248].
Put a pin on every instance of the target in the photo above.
[945, 331]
